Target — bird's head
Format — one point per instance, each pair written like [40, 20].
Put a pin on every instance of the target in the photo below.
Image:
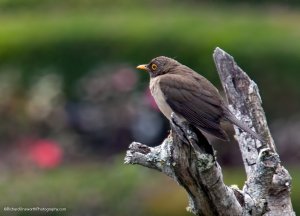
[159, 66]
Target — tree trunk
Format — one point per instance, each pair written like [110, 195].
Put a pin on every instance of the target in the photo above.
[187, 157]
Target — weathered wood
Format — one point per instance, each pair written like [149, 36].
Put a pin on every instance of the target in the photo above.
[188, 158]
[261, 161]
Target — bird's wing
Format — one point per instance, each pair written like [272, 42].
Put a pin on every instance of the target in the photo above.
[200, 106]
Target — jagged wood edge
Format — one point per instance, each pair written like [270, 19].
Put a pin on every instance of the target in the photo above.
[267, 189]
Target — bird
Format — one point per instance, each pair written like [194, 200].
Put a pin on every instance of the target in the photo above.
[178, 89]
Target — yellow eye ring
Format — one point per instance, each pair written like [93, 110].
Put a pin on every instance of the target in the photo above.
[153, 67]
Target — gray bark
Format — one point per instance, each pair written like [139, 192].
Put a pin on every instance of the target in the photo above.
[188, 158]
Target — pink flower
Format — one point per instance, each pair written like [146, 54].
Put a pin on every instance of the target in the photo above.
[46, 153]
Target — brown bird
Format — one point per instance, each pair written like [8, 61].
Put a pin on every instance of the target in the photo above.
[177, 88]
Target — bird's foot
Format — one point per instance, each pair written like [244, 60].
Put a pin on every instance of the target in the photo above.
[179, 128]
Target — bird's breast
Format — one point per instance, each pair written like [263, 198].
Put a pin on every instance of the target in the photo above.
[159, 97]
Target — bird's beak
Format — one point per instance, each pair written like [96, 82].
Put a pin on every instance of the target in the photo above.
[142, 67]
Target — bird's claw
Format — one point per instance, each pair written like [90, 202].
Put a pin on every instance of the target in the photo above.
[176, 126]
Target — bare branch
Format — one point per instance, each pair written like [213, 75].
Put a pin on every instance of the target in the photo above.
[188, 158]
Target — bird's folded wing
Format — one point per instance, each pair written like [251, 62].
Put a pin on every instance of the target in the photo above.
[201, 107]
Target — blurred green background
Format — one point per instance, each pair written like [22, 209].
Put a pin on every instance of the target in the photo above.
[71, 100]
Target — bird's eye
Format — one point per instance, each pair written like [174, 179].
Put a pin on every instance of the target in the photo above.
[153, 67]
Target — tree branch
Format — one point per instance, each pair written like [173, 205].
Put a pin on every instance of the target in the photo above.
[188, 158]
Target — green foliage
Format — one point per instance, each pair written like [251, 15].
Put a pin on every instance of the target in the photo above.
[295, 193]
[86, 189]
[7, 5]
[111, 189]
[79, 189]
[76, 40]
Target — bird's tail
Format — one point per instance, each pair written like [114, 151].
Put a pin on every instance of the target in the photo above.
[231, 118]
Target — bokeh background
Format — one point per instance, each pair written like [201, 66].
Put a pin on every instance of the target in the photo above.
[71, 100]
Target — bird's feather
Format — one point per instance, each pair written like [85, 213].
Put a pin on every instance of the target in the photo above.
[187, 97]
[178, 88]
[231, 118]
